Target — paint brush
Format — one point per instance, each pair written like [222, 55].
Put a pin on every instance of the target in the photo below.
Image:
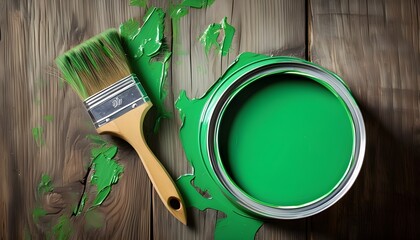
[98, 71]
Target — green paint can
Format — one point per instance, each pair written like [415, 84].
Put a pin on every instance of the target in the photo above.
[281, 137]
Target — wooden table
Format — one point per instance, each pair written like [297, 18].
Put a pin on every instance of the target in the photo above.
[373, 45]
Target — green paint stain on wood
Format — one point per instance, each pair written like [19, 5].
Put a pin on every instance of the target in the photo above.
[63, 229]
[37, 213]
[138, 3]
[210, 37]
[149, 56]
[37, 134]
[179, 10]
[45, 185]
[106, 171]
[49, 118]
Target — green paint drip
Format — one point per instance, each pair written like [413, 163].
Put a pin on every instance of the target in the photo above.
[37, 134]
[177, 11]
[148, 56]
[138, 3]
[45, 185]
[210, 37]
[63, 229]
[106, 171]
[49, 118]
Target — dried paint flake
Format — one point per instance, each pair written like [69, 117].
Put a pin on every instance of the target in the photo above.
[37, 134]
[210, 37]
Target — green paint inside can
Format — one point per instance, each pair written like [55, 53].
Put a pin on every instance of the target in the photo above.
[286, 140]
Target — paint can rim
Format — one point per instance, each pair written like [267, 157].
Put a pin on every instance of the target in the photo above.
[291, 66]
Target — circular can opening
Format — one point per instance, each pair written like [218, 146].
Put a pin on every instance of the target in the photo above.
[285, 140]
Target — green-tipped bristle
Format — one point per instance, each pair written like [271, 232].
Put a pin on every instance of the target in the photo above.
[95, 64]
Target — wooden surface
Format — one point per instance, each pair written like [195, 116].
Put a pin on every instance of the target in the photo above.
[373, 45]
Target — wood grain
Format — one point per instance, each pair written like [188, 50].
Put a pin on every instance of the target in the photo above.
[374, 46]
[267, 27]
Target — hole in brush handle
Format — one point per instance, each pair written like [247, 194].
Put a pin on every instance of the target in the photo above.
[174, 203]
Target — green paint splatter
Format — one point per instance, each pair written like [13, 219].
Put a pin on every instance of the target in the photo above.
[106, 171]
[139, 3]
[63, 229]
[210, 37]
[177, 11]
[49, 118]
[37, 213]
[79, 208]
[37, 134]
[45, 185]
[238, 224]
[149, 56]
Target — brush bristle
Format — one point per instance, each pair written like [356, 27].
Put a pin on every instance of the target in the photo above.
[95, 64]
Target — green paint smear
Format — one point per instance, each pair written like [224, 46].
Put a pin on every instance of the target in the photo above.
[49, 118]
[106, 171]
[179, 10]
[210, 37]
[149, 56]
[138, 3]
[63, 229]
[37, 134]
[45, 185]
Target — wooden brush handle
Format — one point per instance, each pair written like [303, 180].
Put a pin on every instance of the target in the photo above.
[130, 128]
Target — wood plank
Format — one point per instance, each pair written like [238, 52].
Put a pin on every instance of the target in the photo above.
[267, 27]
[374, 46]
[33, 33]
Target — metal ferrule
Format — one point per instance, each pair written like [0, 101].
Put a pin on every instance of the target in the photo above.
[115, 100]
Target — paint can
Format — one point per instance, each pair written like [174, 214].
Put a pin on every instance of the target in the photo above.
[283, 138]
